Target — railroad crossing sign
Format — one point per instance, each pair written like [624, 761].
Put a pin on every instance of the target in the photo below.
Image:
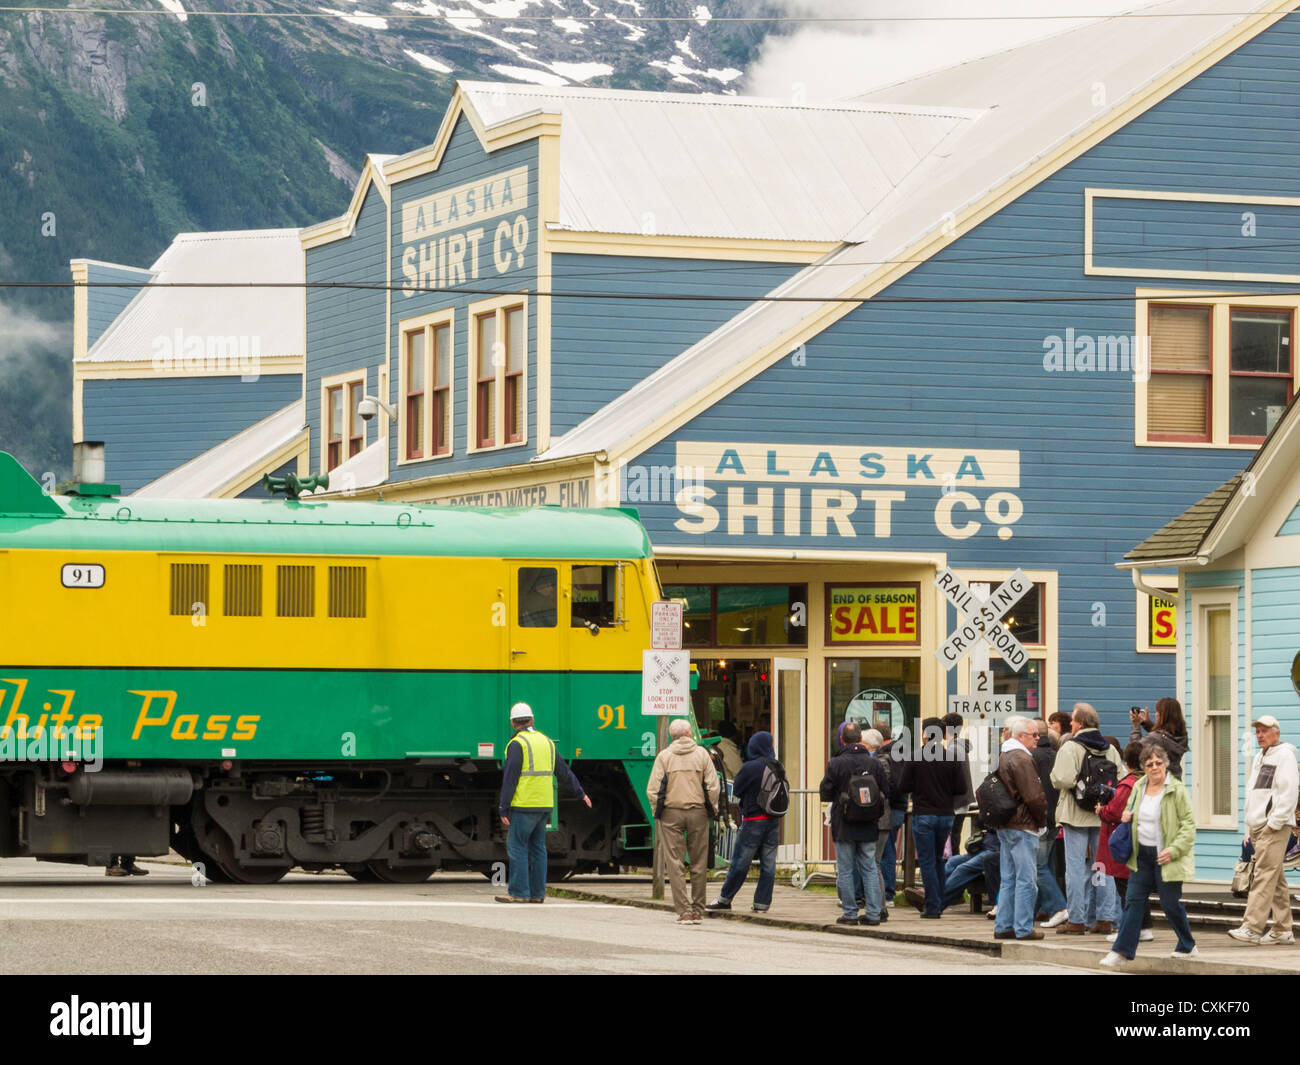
[983, 619]
[665, 683]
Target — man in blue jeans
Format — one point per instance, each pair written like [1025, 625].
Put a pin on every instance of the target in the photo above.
[527, 796]
[760, 832]
[853, 826]
[933, 776]
[1018, 837]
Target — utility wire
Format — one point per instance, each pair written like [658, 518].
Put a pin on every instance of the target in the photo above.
[367, 286]
[475, 15]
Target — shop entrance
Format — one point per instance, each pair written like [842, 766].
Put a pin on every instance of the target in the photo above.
[751, 695]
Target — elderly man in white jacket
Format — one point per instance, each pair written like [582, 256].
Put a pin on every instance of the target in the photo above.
[1270, 817]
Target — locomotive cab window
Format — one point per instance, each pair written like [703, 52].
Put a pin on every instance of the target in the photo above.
[595, 596]
[538, 597]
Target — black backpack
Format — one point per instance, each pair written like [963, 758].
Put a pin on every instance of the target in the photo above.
[773, 790]
[1096, 781]
[862, 801]
[996, 804]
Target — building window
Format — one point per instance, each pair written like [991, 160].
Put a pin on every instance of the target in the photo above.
[1178, 396]
[742, 615]
[426, 372]
[499, 383]
[345, 431]
[1214, 688]
[1220, 373]
[1260, 367]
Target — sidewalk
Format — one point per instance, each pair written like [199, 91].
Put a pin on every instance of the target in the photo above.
[815, 912]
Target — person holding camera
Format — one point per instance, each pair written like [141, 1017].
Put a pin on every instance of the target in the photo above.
[1168, 731]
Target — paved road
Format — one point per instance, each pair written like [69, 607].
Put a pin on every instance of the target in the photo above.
[64, 919]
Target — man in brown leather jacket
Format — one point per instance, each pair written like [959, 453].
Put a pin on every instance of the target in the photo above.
[1018, 837]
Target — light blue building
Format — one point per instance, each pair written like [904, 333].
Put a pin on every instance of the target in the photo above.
[1006, 316]
[1237, 552]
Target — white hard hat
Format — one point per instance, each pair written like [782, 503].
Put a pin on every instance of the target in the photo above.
[520, 711]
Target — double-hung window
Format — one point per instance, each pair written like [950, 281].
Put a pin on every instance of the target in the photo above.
[345, 431]
[1220, 372]
[499, 381]
[426, 369]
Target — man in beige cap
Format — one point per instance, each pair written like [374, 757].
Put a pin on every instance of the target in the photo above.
[1270, 818]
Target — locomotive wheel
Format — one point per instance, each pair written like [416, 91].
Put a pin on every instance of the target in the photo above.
[216, 844]
[363, 875]
[399, 874]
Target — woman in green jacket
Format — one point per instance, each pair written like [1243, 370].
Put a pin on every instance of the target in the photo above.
[1159, 814]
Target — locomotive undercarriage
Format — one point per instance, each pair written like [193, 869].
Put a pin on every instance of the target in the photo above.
[251, 824]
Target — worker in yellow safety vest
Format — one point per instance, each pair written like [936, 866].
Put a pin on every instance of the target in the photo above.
[527, 796]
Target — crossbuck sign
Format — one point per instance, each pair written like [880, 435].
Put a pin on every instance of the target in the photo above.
[984, 618]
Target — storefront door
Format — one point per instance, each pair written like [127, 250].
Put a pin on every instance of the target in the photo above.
[789, 729]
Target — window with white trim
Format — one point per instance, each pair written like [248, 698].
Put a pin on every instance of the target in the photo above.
[1214, 699]
[426, 367]
[499, 375]
[1220, 372]
[344, 430]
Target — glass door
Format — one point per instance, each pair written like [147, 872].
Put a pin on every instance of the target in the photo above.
[789, 724]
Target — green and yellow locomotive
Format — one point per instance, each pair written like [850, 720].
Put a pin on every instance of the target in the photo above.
[268, 684]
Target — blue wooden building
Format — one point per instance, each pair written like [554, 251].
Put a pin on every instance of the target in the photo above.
[1010, 315]
[1237, 552]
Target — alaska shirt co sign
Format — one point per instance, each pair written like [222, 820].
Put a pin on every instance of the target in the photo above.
[983, 619]
[479, 229]
[798, 490]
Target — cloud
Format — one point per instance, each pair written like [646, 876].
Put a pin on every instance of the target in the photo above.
[829, 60]
[20, 330]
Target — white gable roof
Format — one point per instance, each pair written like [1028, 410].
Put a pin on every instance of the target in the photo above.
[721, 166]
[1029, 100]
[275, 317]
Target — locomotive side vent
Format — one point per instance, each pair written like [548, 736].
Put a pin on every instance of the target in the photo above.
[347, 591]
[295, 591]
[189, 587]
[243, 588]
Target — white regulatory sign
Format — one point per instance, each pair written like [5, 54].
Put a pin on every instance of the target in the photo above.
[666, 625]
[666, 683]
[83, 575]
[984, 619]
[997, 706]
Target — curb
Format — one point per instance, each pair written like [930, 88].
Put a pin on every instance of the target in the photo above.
[994, 947]
[1009, 950]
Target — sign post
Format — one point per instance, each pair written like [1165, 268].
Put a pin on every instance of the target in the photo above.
[665, 693]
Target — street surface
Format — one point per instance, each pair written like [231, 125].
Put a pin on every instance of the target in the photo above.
[64, 919]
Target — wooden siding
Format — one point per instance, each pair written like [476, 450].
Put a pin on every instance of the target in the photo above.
[345, 327]
[465, 161]
[152, 425]
[602, 347]
[972, 376]
[103, 305]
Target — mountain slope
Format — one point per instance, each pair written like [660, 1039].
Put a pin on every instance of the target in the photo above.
[117, 132]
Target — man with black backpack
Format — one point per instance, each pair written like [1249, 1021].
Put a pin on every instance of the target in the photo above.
[855, 787]
[1084, 774]
[763, 793]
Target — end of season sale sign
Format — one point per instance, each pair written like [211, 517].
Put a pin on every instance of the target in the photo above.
[872, 614]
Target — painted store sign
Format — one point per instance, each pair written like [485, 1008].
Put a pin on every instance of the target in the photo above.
[808, 490]
[451, 237]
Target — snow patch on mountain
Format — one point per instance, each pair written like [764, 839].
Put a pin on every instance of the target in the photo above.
[428, 62]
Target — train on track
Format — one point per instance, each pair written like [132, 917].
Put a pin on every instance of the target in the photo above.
[264, 684]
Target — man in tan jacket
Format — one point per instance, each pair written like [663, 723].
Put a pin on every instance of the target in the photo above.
[685, 795]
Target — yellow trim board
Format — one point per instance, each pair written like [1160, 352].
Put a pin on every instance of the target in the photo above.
[428, 159]
[266, 366]
[337, 228]
[295, 449]
[519, 475]
[735, 249]
[1089, 267]
[934, 241]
